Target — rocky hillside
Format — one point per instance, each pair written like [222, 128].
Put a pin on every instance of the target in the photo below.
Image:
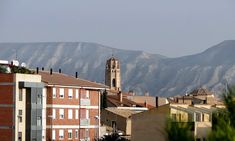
[141, 71]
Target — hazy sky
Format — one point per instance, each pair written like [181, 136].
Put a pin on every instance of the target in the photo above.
[168, 27]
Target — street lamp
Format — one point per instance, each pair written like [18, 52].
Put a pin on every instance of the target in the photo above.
[97, 123]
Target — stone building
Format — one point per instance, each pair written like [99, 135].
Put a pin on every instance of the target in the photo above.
[113, 74]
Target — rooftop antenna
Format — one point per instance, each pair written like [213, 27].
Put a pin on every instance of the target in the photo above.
[15, 51]
[16, 54]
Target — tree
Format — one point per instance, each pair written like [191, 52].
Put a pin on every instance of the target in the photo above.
[223, 122]
[16, 69]
[104, 100]
[3, 69]
[179, 131]
[113, 137]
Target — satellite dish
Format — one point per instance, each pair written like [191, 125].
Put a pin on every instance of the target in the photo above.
[23, 64]
[15, 62]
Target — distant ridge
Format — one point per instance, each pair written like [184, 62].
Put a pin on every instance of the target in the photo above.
[141, 71]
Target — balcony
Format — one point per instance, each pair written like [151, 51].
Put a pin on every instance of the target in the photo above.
[85, 102]
[84, 122]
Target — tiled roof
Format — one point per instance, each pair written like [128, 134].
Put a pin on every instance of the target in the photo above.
[124, 113]
[147, 105]
[66, 80]
[200, 91]
[114, 99]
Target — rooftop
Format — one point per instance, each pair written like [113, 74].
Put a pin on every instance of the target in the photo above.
[200, 91]
[114, 99]
[67, 80]
[124, 113]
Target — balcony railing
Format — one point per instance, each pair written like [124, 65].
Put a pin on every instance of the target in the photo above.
[84, 122]
[85, 102]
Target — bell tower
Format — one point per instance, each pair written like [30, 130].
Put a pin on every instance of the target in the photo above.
[113, 74]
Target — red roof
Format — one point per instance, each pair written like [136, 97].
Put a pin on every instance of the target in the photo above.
[114, 99]
[66, 80]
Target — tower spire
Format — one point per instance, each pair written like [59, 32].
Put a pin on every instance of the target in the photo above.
[113, 74]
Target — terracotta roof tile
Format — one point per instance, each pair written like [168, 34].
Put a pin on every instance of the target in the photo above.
[66, 80]
[125, 102]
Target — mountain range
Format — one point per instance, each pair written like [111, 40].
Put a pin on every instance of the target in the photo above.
[140, 71]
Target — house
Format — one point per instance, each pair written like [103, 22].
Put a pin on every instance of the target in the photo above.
[117, 120]
[117, 116]
[73, 107]
[195, 109]
[45, 105]
[197, 96]
[152, 124]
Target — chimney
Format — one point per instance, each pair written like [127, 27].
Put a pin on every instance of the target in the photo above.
[42, 68]
[131, 92]
[145, 104]
[37, 70]
[76, 74]
[59, 70]
[120, 96]
[156, 101]
[146, 93]
[51, 71]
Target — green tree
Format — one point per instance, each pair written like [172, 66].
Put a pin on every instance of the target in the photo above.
[104, 99]
[113, 137]
[223, 122]
[3, 69]
[179, 131]
[16, 69]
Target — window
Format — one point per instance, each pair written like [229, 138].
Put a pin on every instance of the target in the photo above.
[87, 114]
[76, 114]
[76, 134]
[76, 92]
[70, 135]
[61, 93]
[61, 134]
[20, 116]
[114, 83]
[39, 121]
[87, 93]
[179, 117]
[173, 117]
[70, 93]
[70, 112]
[114, 125]
[54, 92]
[20, 112]
[53, 135]
[20, 94]
[61, 113]
[198, 117]
[54, 113]
[39, 99]
[86, 133]
[19, 136]
[82, 113]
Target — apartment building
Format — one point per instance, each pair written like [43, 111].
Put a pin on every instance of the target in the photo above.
[72, 106]
[21, 107]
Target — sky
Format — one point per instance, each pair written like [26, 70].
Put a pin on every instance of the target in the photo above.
[168, 27]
